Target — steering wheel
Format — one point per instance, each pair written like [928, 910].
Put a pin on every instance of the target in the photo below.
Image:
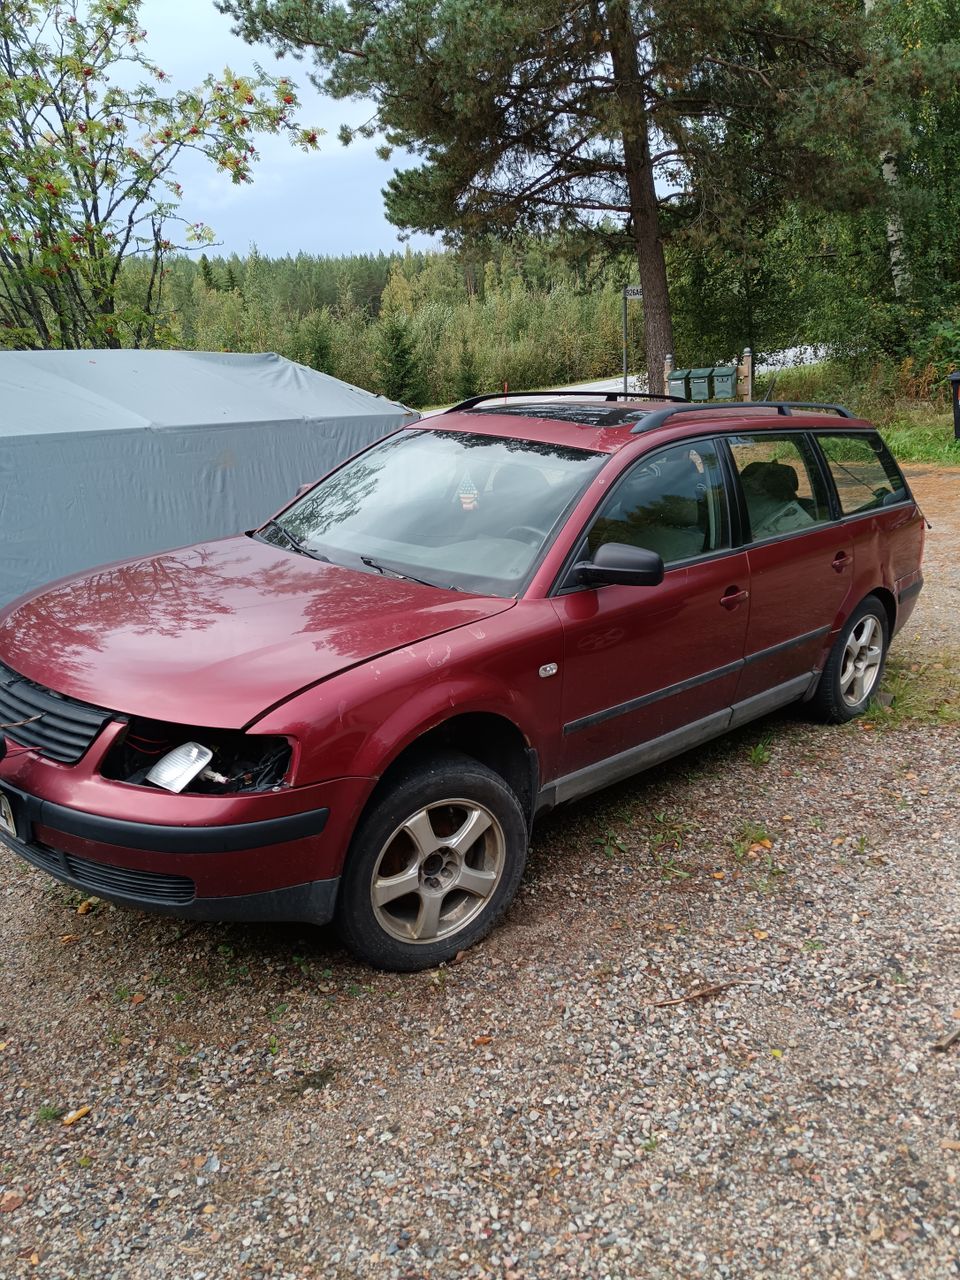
[527, 533]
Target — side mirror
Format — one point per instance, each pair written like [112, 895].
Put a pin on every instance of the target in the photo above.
[302, 489]
[618, 562]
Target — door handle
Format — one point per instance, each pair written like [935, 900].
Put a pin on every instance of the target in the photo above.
[840, 561]
[733, 597]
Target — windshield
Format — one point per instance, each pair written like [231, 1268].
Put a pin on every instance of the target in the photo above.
[470, 512]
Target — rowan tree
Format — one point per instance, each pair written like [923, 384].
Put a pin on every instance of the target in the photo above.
[87, 167]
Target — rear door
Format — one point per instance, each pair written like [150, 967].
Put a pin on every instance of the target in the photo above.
[801, 566]
[648, 671]
[878, 513]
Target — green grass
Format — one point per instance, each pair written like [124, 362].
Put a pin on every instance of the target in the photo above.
[911, 410]
[611, 843]
[747, 835]
[759, 753]
[925, 692]
[918, 433]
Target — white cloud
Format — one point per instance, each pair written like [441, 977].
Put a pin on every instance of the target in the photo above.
[326, 202]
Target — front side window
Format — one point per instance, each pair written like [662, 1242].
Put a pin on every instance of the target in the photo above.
[782, 485]
[449, 508]
[865, 474]
[672, 503]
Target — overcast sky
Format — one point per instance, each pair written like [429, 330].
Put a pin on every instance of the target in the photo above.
[327, 202]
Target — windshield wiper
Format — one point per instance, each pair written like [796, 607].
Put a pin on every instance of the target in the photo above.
[406, 577]
[295, 542]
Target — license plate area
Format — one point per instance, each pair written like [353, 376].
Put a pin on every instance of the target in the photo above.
[8, 825]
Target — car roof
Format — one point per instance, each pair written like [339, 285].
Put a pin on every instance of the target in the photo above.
[605, 422]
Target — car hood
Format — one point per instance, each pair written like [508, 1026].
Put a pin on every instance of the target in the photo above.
[214, 634]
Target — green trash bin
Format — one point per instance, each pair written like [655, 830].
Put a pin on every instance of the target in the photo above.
[700, 384]
[724, 382]
[678, 383]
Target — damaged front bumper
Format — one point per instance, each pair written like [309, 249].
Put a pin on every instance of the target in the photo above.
[60, 840]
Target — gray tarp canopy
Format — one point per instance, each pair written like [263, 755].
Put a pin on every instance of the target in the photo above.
[107, 454]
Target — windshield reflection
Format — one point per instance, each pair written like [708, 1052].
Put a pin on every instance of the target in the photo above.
[471, 512]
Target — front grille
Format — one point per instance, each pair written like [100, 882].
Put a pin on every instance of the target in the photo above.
[63, 728]
[98, 877]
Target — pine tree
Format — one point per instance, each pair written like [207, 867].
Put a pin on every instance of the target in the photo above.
[400, 375]
[320, 340]
[629, 122]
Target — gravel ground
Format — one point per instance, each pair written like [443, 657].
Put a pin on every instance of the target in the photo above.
[261, 1106]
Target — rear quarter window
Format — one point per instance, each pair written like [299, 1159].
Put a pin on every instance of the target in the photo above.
[864, 472]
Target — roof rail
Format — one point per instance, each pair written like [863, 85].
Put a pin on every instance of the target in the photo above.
[656, 417]
[473, 401]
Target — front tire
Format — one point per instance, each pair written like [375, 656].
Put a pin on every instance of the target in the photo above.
[854, 669]
[433, 866]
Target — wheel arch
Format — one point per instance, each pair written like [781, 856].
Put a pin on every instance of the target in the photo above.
[486, 736]
[853, 602]
[889, 602]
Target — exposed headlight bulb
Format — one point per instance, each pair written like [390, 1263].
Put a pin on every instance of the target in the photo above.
[211, 775]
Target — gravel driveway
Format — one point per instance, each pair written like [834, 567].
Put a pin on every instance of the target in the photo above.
[702, 1044]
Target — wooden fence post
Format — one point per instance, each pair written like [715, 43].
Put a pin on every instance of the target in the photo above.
[745, 376]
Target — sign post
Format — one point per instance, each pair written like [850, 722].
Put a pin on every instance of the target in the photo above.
[630, 292]
[955, 397]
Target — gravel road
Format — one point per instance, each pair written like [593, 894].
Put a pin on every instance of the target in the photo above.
[703, 1043]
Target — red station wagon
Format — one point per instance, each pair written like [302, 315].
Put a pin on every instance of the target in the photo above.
[356, 711]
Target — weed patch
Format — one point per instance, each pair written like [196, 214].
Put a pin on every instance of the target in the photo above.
[913, 692]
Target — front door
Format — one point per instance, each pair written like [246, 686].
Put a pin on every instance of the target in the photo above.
[649, 670]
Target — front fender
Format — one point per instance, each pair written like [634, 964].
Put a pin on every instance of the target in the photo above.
[356, 723]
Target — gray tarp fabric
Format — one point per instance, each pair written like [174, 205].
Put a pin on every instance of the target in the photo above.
[107, 454]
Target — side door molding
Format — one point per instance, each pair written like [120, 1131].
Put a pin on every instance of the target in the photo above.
[784, 645]
[573, 786]
[616, 768]
[645, 700]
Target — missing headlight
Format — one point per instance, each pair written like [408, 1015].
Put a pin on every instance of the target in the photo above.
[240, 761]
[178, 768]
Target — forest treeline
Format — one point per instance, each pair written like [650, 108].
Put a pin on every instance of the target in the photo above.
[775, 176]
[432, 327]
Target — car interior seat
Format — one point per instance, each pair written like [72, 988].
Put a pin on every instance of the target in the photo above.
[776, 479]
[513, 478]
[771, 489]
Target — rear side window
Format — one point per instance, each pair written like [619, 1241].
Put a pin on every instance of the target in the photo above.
[864, 472]
[782, 484]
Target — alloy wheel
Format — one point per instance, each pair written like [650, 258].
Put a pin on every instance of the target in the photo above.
[862, 656]
[438, 870]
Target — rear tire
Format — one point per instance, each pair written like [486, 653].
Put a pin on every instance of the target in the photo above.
[854, 669]
[433, 866]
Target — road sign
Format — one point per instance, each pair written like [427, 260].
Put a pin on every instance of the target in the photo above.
[630, 292]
